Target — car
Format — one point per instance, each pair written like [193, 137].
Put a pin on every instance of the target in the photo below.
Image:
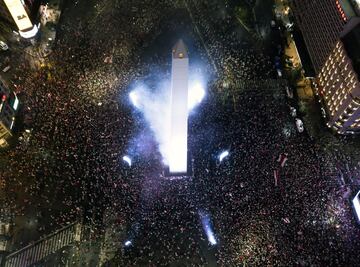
[289, 26]
[6, 69]
[293, 112]
[3, 46]
[299, 125]
[278, 66]
[323, 112]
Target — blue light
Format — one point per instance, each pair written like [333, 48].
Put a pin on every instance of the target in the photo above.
[210, 235]
[127, 159]
[128, 243]
[206, 224]
[196, 94]
[134, 98]
[356, 203]
[223, 155]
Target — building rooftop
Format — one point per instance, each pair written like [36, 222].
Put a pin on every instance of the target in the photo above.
[351, 43]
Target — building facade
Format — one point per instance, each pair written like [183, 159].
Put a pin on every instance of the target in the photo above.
[5, 15]
[21, 15]
[338, 81]
[9, 105]
[320, 23]
[327, 27]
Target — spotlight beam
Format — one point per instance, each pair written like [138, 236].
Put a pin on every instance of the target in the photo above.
[207, 227]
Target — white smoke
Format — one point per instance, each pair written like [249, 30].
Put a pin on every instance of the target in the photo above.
[155, 106]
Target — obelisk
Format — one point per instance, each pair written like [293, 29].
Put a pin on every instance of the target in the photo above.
[179, 109]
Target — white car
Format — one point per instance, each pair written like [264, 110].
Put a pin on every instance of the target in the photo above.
[299, 125]
[289, 26]
[6, 69]
[293, 112]
[3, 46]
[323, 112]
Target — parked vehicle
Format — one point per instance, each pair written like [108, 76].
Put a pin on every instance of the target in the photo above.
[6, 69]
[323, 112]
[299, 125]
[293, 112]
[3, 46]
[278, 67]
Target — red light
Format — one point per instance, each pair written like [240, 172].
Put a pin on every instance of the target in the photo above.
[3, 98]
[341, 11]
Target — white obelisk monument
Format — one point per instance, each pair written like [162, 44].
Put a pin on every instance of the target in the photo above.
[179, 109]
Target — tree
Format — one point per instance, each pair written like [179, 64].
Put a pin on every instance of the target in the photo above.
[243, 13]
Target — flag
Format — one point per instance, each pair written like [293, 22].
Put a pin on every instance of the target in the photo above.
[276, 176]
[282, 159]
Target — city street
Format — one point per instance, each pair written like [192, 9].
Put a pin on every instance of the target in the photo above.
[272, 201]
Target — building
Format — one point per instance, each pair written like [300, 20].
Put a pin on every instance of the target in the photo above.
[21, 15]
[327, 26]
[44, 252]
[5, 15]
[179, 109]
[320, 22]
[9, 105]
[338, 81]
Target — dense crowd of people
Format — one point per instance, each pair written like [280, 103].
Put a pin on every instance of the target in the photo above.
[82, 124]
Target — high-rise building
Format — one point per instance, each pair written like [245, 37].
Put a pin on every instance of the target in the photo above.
[320, 23]
[338, 81]
[327, 26]
[22, 15]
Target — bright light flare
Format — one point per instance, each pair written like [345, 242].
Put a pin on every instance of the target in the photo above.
[156, 105]
[356, 203]
[196, 95]
[223, 155]
[127, 159]
[206, 224]
[134, 98]
[178, 157]
[127, 243]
